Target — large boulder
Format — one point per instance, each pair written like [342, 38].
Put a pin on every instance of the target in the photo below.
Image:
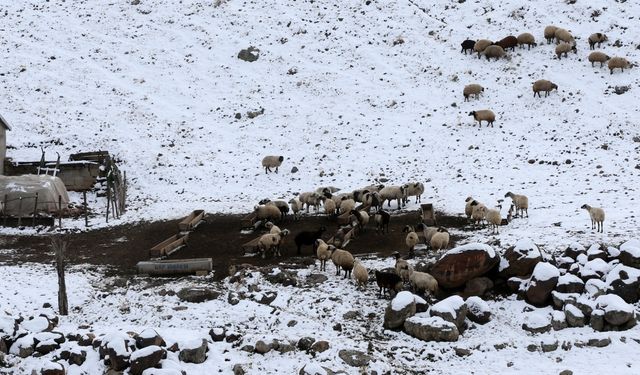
[569, 283]
[575, 317]
[278, 276]
[145, 358]
[573, 250]
[452, 309]
[197, 295]
[477, 286]
[625, 282]
[149, 337]
[463, 263]
[354, 358]
[538, 321]
[478, 310]
[616, 311]
[52, 368]
[543, 281]
[402, 306]
[594, 269]
[630, 253]
[520, 259]
[194, 351]
[23, 347]
[431, 328]
[597, 252]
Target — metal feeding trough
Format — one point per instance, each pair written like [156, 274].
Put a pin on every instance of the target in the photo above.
[428, 215]
[198, 266]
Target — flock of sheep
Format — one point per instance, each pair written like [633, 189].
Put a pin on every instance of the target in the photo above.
[565, 43]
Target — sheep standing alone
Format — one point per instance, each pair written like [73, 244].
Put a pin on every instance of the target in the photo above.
[308, 238]
[413, 189]
[597, 217]
[389, 281]
[342, 259]
[494, 51]
[422, 282]
[550, 33]
[597, 38]
[481, 45]
[272, 161]
[411, 240]
[543, 85]
[467, 45]
[521, 202]
[440, 240]
[508, 42]
[323, 252]
[472, 89]
[382, 218]
[598, 56]
[360, 273]
[483, 115]
[618, 63]
[528, 39]
[389, 193]
[564, 48]
[494, 218]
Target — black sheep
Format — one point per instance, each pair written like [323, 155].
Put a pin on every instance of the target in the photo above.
[381, 219]
[389, 281]
[308, 238]
[468, 45]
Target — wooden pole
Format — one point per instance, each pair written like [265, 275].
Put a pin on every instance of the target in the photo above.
[108, 201]
[35, 211]
[20, 211]
[4, 209]
[86, 209]
[59, 246]
[60, 211]
[124, 193]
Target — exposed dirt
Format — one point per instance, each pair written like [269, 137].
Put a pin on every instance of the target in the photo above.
[219, 237]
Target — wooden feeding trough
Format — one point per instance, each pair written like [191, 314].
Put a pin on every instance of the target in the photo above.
[428, 215]
[190, 222]
[198, 266]
[249, 221]
[169, 246]
[251, 246]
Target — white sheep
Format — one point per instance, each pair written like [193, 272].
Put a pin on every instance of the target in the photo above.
[411, 240]
[323, 252]
[521, 202]
[267, 212]
[494, 218]
[362, 217]
[564, 49]
[440, 239]
[413, 189]
[347, 204]
[310, 198]
[422, 282]
[271, 242]
[528, 39]
[597, 217]
[329, 207]
[273, 229]
[481, 45]
[296, 207]
[565, 36]
[478, 213]
[494, 51]
[543, 85]
[389, 193]
[342, 259]
[360, 273]
[272, 161]
[403, 268]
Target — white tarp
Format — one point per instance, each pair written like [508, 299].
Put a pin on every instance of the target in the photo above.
[48, 189]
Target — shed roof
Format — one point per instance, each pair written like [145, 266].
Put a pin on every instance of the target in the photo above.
[4, 123]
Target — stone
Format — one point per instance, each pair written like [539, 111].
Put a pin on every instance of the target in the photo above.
[305, 343]
[3, 346]
[233, 298]
[561, 299]
[596, 320]
[596, 252]
[316, 278]
[575, 317]
[616, 311]
[354, 358]
[543, 281]
[147, 357]
[118, 361]
[558, 320]
[599, 343]
[532, 348]
[266, 298]
[294, 169]
[630, 253]
[566, 372]
[320, 346]
[520, 259]
[262, 348]
[569, 283]
[149, 337]
[463, 263]
[46, 347]
[537, 322]
[217, 334]
[401, 307]
[549, 346]
[286, 278]
[478, 310]
[478, 286]
[285, 348]
[573, 250]
[86, 339]
[624, 281]
[250, 54]
[431, 328]
[23, 347]
[197, 295]
[194, 353]
[52, 368]
[462, 352]
[452, 309]
[516, 284]
[238, 370]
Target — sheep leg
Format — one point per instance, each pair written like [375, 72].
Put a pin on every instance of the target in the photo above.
[276, 169]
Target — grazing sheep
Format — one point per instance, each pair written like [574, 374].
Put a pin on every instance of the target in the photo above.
[389, 193]
[347, 205]
[282, 206]
[543, 85]
[483, 115]
[267, 212]
[481, 45]
[494, 51]
[323, 252]
[440, 239]
[467, 45]
[597, 217]
[563, 35]
[477, 213]
[508, 42]
[389, 281]
[310, 198]
[329, 207]
[422, 282]
[521, 202]
[308, 237]
[296, 207]
[272, 161]
[550, 33]
[271, 242]
[494, 218]
[342, 259]
[403, 268]
[618, 62]
[411, 240]
[362, 217]
[472, 89]
[528, 39]
[381, 218]
[597, 38]
[468, 209]
[413, 189]
[564, 48]
[598, 56]
[360, 273]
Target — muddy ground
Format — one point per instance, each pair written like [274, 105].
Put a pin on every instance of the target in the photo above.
[218, 237]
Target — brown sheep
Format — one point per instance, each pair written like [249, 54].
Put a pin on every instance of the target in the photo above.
[494, 51]
[618, 62]
[598, 56]
[550, 33]
[528, 39]
[508, 42]
[483, 115]
[597, 38]
[480, 45]
[543, 85]
[564, 48]
[472, 89]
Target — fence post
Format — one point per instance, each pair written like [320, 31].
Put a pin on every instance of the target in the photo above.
[108, 201]
[59, 246]
[19, 211]
[60, 211]
[86, 214]
[35, 210]
[4, 210]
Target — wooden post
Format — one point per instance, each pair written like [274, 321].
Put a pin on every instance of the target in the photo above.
[35, 211]
[59, 246]
[124, 192]
[86, 209]
[4, 209]
[60, 211]
[19, 211]
[108, 201]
